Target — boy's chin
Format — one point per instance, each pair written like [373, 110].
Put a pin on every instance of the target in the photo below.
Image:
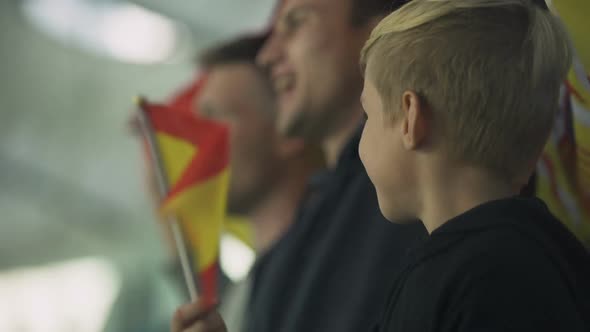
[396, 214]
[394, 208]
[401, 219]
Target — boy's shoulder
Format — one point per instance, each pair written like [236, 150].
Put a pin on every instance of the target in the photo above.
[499, 277]
[515, 232]
[518, 245]
[499, 271]
[503, 248]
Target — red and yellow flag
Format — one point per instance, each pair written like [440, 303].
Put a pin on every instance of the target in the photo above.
[564, 170]
[192, 155]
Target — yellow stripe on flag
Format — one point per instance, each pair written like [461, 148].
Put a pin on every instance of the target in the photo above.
[241, 229]
[175, 154]
[202, 211]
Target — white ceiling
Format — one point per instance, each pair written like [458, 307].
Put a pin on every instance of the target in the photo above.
[70, 174]
[215, 18]
[71, 182]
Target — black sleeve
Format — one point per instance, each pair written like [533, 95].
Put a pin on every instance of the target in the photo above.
[511, 298]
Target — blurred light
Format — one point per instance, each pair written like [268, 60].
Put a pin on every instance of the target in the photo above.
[120, 30]
[236, 258]
[134, 33]
[72, 296]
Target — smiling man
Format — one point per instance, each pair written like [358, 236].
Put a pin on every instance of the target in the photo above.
[330, 270]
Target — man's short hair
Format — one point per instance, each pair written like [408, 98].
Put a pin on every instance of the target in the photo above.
[239, 50]
[489, 70]
[365, 10]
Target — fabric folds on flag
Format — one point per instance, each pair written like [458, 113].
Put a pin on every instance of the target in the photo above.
[192, 156]
[564, 170]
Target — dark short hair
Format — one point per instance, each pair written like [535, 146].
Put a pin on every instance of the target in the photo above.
[238, 50]
[365, 10]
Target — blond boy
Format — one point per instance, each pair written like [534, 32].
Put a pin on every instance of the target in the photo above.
[460, 96]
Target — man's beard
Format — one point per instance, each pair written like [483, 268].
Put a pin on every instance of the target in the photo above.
[311, 126]
[243, 203]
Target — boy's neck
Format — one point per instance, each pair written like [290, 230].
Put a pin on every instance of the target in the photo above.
[454, 191]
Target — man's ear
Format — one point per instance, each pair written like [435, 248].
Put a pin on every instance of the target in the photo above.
[415, 120]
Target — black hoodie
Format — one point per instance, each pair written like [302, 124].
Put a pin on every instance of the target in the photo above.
[507, 265]
[331, 271]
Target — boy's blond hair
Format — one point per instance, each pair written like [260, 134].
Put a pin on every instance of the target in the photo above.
[489, 70]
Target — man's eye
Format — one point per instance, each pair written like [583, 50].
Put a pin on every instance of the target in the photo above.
[295, 19]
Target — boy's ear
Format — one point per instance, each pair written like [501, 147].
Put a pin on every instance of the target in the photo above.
[415, 122]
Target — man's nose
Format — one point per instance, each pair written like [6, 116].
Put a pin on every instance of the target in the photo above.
[270, 52]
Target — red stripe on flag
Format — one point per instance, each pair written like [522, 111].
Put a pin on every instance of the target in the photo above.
[208, 280]
[210, 138]
[184, 101]
[573, 91]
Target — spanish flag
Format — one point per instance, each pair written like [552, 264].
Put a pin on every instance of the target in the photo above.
[563, 172]
[184, 102]
[191, 157]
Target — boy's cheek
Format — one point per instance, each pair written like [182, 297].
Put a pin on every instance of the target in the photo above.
[364, 145]
[368, 151]
[362, 150]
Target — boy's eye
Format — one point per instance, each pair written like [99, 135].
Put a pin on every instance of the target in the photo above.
[366, 116]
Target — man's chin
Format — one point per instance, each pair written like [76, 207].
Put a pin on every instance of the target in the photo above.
[292, 123]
